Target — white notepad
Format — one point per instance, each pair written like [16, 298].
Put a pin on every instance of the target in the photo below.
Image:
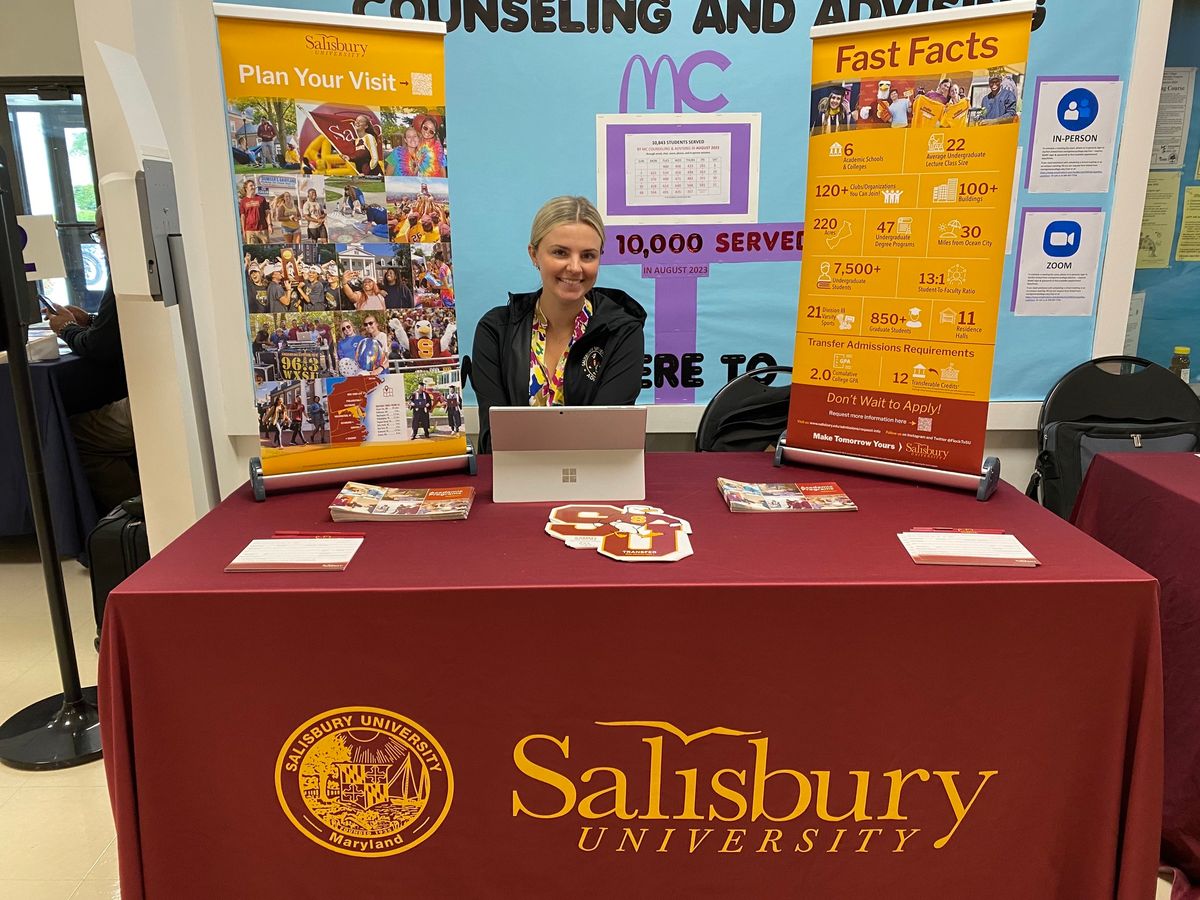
[296, 555]
[955, 548]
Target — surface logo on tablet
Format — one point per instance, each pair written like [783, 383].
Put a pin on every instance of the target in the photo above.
[651, 787]
[364, 781]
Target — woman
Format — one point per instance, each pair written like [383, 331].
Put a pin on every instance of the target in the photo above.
[286, 215]
[397, 294]
[369, 296]
[274, 421]
[432, 160]
[405, 158]
[366, 157]
[314, 215]
[569, 343]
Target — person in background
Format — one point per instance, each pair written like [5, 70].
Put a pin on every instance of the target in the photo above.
[434, 163]
[295, 414]
[421, 404]
[316, 415]
[999, 104]
[286, 215]
[568, 343]
[255, 213]
[454, 410]
[103, 436]
[314, 217]
[368, 296]
[899, 107]
[372, 330]
[397, 294]
[276, 292]
[274, 420]
[256, 287]
[266, 141]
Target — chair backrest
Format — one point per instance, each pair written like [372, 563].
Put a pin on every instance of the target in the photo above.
[749, 413]
[465, 372]
[1115, 404]
[1121, 389]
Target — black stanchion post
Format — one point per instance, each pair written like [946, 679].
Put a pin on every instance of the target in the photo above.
[62, 730]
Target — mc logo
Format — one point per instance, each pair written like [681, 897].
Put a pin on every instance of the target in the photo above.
[681, 81]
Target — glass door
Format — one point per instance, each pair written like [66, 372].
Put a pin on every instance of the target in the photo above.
[47, 137]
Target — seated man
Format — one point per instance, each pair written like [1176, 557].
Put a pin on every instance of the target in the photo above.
[104, 436]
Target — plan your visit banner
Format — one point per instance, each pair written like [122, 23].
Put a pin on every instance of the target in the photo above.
[912, 150]
[340, 183]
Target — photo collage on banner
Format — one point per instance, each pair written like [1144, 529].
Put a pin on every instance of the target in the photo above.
[345, 220]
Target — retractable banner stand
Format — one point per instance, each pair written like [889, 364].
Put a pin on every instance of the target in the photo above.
[912, 152]
[338, 131]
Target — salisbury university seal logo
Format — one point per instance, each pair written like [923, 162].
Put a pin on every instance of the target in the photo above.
[591, 363]
[364, 781]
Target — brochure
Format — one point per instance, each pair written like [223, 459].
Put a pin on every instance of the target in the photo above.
[369, 503]
[824, 497]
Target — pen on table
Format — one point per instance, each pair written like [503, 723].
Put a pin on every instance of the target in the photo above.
[321, 534]
[941, 530]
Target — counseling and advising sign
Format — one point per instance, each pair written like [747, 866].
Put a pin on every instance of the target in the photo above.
[338, 137]
[911, 158]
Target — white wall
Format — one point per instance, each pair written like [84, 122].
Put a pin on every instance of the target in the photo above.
[40, 39]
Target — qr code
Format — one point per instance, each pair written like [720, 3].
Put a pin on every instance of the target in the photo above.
[422, 84]
[924, 423]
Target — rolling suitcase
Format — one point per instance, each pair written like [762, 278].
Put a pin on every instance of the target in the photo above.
[116, 547]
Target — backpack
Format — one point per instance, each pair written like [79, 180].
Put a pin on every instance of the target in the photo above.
[1115, 404]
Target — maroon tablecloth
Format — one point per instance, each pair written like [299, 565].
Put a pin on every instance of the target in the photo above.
[1147, 508]
[862, 706]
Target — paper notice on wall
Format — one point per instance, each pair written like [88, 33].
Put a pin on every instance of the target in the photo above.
[1074, 141]
[1174, 118]
[1158, 220]
[1188, 248]
[1058, 262]
[40, 248]
[1133, 329]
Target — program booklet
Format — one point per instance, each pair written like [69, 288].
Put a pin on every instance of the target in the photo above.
[370, 503]
[824, 497]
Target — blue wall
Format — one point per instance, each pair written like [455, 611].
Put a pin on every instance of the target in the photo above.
[521, 113]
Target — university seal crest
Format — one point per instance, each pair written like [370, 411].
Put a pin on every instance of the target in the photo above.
[364, 781]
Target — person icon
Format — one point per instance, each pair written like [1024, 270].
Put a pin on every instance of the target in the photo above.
[1072, 112]
[824, 279]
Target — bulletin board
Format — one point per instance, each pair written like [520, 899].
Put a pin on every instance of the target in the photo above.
[1165, 310]
[528, 80]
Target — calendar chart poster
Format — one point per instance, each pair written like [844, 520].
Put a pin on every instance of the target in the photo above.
[679, 169]
[910, 181]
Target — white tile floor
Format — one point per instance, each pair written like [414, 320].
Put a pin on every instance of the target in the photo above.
[56, 831]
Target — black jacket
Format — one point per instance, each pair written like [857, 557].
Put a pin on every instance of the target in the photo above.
[99, 344]
[604, 367]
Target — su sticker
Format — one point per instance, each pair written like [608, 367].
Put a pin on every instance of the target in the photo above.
[364, 781]
[633, 533]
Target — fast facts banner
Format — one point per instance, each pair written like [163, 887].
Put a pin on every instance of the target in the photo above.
[912, 150]
[337, 127]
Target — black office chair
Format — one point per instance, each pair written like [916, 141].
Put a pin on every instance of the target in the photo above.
[1113, 404]
[749, 413]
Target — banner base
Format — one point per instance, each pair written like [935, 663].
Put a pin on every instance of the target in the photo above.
[410, 468]
[984, 484]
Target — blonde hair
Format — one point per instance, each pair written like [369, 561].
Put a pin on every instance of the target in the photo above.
[565, 211]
